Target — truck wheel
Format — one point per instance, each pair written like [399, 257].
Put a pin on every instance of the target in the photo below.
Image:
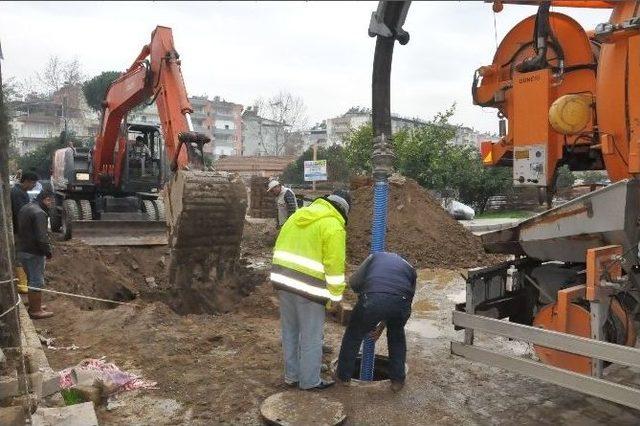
[55, 218]
[159, 205]
[70, 212]
[149, 210]
[85, 210]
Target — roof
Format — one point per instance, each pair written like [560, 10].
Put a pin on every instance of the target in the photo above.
[253, 164]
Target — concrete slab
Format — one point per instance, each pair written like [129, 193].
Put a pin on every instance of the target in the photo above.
[72, 415]
[9, 385]
[302, 408]
[12, 416]
[480, 226]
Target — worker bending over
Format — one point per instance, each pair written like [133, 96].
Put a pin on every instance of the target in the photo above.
[385, 284]
[308, 270]
[285, 201]
[33, 247]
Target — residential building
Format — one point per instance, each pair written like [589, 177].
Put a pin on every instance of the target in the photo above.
[216, 118]
[471, 137]
[37, 119]
[316, 135]
[261, 136]
[338, 128]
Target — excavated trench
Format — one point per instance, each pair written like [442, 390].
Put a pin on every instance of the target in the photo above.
[217, 296]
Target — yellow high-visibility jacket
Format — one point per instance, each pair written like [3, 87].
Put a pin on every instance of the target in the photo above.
[309, 256]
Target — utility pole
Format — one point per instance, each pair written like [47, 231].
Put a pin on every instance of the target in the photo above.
[315, 157]
[9, 336]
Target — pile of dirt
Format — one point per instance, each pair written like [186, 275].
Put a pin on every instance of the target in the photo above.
[418, 228]
[79, 269]
[128, 273]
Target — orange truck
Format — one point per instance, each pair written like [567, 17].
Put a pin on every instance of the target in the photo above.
[564, 95]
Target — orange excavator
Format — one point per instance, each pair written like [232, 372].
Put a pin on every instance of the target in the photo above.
[145, 185]
[565, 96]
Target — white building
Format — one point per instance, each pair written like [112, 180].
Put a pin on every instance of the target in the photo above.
[471, 137]
[261, 136]
[338, 128]
[36, 120]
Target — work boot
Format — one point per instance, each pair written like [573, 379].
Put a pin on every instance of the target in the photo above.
[397, 385]
[22, 280]
[35, 306]
[323, 385]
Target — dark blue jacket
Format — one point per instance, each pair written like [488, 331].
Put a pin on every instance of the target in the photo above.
[385, 272]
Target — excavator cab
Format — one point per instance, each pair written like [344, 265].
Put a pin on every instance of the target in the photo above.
[145, 168]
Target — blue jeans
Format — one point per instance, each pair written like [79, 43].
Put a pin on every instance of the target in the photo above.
[302, 323]
[372, 308]
[33, 265]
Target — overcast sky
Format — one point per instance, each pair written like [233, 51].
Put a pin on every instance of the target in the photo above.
[245, 50]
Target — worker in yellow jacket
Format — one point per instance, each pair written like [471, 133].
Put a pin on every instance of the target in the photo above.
[308, 272]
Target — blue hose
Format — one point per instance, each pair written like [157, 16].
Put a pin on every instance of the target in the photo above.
[378, 233]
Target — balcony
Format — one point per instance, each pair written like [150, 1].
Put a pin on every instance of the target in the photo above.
[220, 132]
[225, 116]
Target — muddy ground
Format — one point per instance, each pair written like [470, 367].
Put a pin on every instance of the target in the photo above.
[217, 369]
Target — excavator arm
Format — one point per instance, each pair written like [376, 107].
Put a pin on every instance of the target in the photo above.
[204, 210]
[155, 74]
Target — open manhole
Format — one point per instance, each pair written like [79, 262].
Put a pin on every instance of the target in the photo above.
[380, 370]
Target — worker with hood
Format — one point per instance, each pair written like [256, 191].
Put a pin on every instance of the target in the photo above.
[308, 272]
[33, 247]
[285, 201]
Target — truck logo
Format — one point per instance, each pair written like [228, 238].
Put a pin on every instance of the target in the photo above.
[531, 79]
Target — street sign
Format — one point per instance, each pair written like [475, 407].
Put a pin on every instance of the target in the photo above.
[315, 170]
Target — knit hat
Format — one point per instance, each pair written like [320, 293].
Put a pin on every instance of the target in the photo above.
[342, 198]
[272, 185]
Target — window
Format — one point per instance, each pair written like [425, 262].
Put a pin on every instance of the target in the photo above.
[226, 126]
[143, 118]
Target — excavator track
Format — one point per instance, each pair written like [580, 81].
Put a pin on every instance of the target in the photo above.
[205, 212]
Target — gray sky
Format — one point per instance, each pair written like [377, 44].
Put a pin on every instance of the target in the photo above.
[244, 50]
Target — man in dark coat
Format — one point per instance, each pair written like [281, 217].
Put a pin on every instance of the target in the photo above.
[34, 247]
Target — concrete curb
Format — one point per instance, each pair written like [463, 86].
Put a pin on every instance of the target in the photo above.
[44, 381]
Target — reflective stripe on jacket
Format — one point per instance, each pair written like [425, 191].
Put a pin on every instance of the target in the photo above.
[309, 256]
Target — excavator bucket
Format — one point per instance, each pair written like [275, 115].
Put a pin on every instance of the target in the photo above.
[120, 232]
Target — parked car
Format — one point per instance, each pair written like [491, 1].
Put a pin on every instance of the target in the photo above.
[458, 210]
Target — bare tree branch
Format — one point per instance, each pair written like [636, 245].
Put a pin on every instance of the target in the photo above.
[58, 72]
[289, 114]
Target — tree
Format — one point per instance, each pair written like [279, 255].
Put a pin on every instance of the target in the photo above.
[565, 178]
[358, 149]
[95, 89]
[591, 177]
[337, 166]
[58, 72]
[481, 183]
[289, 111]
[425, 155]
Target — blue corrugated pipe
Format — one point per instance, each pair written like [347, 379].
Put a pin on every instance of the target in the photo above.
[378, 233]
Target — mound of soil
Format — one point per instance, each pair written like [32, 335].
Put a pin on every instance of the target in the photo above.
[127, 273]
[79, 269]
[418, 228]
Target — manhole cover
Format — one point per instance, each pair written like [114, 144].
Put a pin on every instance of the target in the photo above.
[302, 408]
